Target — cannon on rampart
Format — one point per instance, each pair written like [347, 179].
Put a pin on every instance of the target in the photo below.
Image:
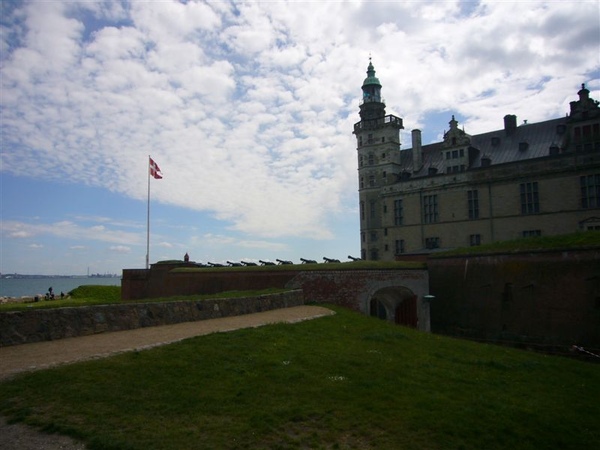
[266, 263]
[234, 264]
[215, 264]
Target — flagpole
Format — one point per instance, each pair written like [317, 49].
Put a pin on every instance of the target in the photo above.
[148, 221]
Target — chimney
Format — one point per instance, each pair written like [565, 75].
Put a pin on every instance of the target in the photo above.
[510, 123]
[417, 150]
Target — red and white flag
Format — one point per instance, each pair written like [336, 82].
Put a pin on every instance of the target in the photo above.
[155, 170]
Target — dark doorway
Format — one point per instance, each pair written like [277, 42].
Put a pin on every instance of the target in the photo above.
[378, 309]
[406, 312]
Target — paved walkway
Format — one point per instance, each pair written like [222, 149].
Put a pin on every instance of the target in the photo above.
[40, 355]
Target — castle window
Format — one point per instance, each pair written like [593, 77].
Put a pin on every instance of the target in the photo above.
[454, 154]
[474, 240]
[462, 152]
[374, 254]
[362, 182]
[360, 161]
[362, 210]
[373, 236]
[383, 156]
[372, 209]
[473, 204]
[432, 242]
[383, 139]
[430, 209]
[530, 199]
[398, 212]
[384, 209]
[360, 141]
[385, 231]
[590, 191]
[399, 246]
[448, 155]
[362, 237]
[371, 180]
[371, 159]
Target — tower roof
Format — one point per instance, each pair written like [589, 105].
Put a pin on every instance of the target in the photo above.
[371, 78]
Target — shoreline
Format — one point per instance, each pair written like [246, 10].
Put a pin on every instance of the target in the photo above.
[31, 299]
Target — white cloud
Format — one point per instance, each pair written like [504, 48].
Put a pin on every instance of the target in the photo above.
[248, 107]
[120, 249]
[68, 230]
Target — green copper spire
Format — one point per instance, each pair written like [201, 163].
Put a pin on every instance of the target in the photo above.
[371, 78]
[371, 86]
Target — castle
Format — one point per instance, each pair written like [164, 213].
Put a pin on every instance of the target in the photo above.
[536, 179]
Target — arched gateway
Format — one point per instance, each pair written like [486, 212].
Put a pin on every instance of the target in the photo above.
[395, 303]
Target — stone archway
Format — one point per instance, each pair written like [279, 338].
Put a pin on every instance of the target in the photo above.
[395, 303]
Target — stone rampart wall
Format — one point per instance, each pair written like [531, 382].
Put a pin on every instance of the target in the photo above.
[544, 297]
[21, 327]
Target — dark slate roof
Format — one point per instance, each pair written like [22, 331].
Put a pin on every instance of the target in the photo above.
[539, 137]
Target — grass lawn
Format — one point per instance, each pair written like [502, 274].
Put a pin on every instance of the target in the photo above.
[88, 295]
[341, 382]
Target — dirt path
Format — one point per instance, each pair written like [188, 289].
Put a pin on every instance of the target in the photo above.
[22, 358]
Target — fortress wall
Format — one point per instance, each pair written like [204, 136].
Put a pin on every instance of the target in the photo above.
[531, 297]
[353, 288]
[22, 327]
[162, 281]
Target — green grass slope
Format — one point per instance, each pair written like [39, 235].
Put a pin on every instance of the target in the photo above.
[341, 382]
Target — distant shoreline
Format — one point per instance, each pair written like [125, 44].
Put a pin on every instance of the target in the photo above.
[32, 286]
[9, 276]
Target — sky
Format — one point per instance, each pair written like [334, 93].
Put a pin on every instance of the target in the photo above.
[248, 109]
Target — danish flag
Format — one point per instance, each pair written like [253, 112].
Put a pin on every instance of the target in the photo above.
[155, 170]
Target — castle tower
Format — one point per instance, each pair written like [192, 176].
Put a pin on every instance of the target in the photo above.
[378, 145]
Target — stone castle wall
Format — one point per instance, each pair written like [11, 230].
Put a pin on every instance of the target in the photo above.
[22, 327]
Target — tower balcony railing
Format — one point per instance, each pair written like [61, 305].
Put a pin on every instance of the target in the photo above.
[389, 120]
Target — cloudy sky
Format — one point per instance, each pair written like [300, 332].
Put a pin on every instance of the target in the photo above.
[248, 109]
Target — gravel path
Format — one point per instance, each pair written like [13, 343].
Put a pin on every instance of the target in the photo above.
[22, 358]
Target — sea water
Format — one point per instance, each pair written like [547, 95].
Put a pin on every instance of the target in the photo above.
[30, 287]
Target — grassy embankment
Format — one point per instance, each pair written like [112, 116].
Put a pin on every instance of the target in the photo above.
[89, 295]
[341, 382]
[588, 239]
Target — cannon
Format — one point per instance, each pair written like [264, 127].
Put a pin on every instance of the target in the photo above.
[249, 263]
[234, 264]
[308, 261]
[215, 265]
[266, 263]
[330, 260]
[283, 261]
[354, 259]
